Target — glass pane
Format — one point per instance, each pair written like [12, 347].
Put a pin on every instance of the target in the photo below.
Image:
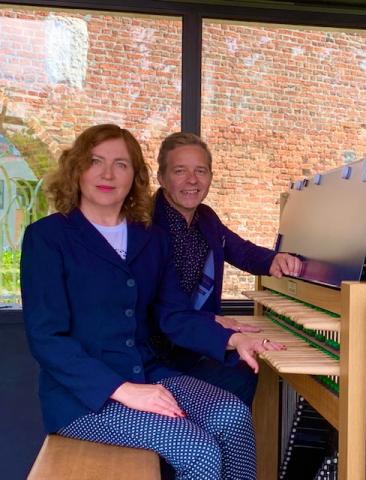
[63, 71]
[279, 103]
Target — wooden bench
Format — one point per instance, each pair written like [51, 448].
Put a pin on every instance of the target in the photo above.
[67, 459]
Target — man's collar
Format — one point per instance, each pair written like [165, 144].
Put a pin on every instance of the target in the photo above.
[174, 212]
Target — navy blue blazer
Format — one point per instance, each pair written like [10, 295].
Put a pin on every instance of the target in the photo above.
[226, 245]
[89, 314]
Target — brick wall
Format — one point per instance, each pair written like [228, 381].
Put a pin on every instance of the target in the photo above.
[278, 103]
[131, 76]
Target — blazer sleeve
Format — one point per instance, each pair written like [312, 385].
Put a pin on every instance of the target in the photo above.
[246, 255]
[188, 328]
[48, 323]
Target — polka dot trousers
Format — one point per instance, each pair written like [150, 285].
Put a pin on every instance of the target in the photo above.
[214, 442]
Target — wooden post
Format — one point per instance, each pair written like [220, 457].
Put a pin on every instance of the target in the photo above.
[258, 308]
[352, 399]
[266, 413]
[266, 422]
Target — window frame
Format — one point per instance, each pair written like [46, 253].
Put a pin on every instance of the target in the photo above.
[192, 15]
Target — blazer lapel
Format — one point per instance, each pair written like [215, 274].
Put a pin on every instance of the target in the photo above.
[88, 235]
[137, 237]
[210, 231]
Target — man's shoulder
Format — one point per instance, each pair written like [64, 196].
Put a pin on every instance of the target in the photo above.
[208, 213]
[210, 221]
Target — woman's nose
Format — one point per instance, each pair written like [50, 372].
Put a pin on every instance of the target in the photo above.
[107, 171]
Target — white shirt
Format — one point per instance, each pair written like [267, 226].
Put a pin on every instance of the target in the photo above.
[116, 237]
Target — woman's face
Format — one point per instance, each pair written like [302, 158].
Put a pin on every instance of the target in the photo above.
[107, 182]
[187, 178]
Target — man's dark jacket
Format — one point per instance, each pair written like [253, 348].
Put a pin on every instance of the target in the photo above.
[226, 245]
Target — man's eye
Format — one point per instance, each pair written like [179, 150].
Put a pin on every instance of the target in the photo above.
[201, 171]
[179, 171]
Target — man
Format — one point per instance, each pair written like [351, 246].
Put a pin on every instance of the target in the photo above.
[201, 244]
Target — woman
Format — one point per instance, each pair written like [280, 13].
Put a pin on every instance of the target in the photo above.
[201, 244]
[96, 279]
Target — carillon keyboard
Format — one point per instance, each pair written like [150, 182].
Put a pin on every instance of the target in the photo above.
[311, 334]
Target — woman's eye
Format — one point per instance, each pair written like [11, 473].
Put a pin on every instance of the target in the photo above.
[121, 164]
[95, 161]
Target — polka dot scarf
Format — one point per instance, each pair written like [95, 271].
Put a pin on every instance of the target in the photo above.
[190, 248]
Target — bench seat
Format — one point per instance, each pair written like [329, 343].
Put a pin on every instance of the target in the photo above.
[63, 458]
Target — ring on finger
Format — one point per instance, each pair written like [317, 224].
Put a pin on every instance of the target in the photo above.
[265, 341]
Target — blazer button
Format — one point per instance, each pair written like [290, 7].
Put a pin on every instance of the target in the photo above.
[130, 342]
[130, 282]
[137, 369]
[129, 312]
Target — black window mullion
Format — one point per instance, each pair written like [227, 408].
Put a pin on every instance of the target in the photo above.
[191, 73]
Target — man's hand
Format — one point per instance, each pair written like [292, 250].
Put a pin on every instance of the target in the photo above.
[229, 322]
[285, 264]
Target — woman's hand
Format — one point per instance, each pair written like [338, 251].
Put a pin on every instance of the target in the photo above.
[247, 348]
[229, 322]
[147, 398]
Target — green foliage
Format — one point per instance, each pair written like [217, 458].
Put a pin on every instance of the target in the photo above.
[9, 275]
[31, 200]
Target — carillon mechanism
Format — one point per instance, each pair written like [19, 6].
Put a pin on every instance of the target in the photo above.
[325, 362]
[310, 446]
[320, 316]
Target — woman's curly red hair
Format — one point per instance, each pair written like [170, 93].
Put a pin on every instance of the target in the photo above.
[62, 186]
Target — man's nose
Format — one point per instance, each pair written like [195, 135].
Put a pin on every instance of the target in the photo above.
[192, 177]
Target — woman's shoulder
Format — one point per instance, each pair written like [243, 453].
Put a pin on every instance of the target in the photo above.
[54, 220]
[46, 222]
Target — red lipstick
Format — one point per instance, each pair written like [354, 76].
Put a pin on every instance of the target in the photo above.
[105, 188]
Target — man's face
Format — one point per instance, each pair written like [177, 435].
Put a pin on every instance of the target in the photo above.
[187, 178]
